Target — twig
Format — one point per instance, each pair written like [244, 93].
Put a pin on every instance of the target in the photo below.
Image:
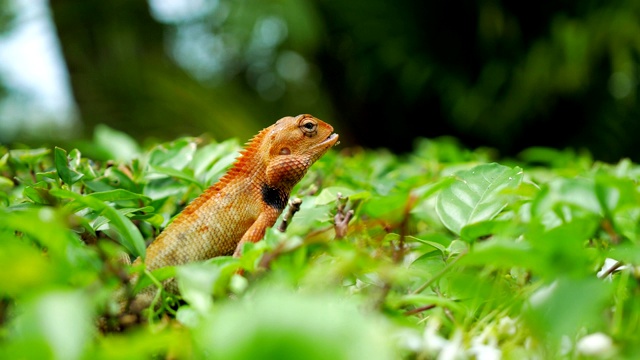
[398, 253]
[611, 270]
[343, 216]
[419, 309]
[268, 257]
[294, 207]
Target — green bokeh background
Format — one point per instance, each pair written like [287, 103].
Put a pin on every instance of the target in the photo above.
[491, 73]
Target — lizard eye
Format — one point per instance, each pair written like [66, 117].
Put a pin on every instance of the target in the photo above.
[309, 127]
[285, 151]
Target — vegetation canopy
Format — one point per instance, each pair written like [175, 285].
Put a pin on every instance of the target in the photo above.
[445, 253]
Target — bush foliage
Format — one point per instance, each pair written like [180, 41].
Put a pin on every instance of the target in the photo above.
[450, 253]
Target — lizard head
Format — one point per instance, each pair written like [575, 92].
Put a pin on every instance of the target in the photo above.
[295, 143]
[303, 135]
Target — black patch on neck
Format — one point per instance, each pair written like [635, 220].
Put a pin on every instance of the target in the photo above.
[274, 197]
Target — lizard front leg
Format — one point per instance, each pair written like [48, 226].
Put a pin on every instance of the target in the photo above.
[266, 219]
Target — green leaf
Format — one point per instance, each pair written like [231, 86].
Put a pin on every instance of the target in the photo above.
[103, 220]
[209, 155]
[390, 207]
[219, 168]
[119, 195]
[38, 193]
[615, 194]
[28, 156]
[481, 229]
[333, 328]
[161, 274]
[4, 159]
[58, 323]
[178, 174]
[23, 266]
[566, 306]
[117, 144]
[476, 195]
[44, 224]
[5, 182]
[130, 236]
[502, 254]
[437, 246]
[175, 155]
[199, 281]
[329, 195]
[578, 193]
[68, 175]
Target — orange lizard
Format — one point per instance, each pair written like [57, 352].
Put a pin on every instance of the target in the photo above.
[244, 202]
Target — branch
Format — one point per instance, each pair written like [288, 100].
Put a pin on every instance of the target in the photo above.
[294, 207]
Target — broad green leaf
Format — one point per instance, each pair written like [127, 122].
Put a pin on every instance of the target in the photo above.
[28, 156]
[130, 236]
[437, 246]
[160, 274]
[175, 155]
[4, 158]
[118, 145]
[567, 305]
[143, 345]
[101, 220]
[218, 169]
[427, 190]
[209, 155]
[57, 322]
[627, 223]
[65, 172]
[333, 328]
[561, 249]
[614, 193]
[121, 179]
[503, 254]
[481, 229]
[577, 192]
[119, 195]
[390, 207]
[198, 281]
[175, 173]
[43, 223]
[626, 253]
[5, 182]
[38, 193]
[476, 195]
[24, 269]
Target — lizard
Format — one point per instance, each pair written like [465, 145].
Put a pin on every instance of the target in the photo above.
[243, 203]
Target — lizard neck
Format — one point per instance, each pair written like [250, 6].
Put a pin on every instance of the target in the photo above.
[274, 196]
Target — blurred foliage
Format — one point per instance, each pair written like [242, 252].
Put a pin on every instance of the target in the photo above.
[7, 18]
[491, 73]
[189, 72]
[451, 253]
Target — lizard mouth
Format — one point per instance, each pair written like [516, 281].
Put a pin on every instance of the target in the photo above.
[331, 139]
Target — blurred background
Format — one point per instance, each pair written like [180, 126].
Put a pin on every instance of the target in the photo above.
[491, 73]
